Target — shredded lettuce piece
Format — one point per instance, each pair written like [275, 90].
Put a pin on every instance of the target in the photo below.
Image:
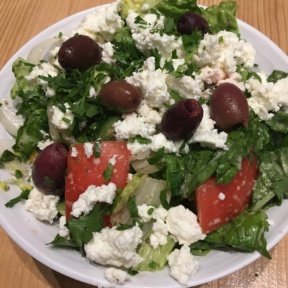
[244, 233]
[154, 259]
[222, 17]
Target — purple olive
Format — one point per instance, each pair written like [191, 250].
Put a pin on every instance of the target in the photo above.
[190, 22]
[120, 96]
[182, 119]
[49, 169]
[79, 52]
[229, 106]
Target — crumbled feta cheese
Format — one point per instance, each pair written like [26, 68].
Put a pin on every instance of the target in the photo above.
[153, 86]
[212, 75]
[113, 160]
[114, 247]
[102, 24]
[139, 151]
[116, 276]
[92, 195]
[144, 212]
[43, 69]
[160, 141]
[182, 265]
[147, 37]
[160, 213]
[148, 114]
[61, 120]
[88, 149]
[183, 226]
[107, 52]
[225, 50]
[133, 125]
[267, 97]
[74, 152]
[186, 86]
[178, 62]
[207, 135]
[221, 196]
[63, 230]
[44, 207]
[159, 234]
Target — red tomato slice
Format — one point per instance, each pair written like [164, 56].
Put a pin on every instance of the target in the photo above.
[217, 204]
[84, 171]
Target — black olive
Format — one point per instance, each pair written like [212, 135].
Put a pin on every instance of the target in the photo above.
[120, 96]
[229, 106]
[182, 119]
[79, 52]
[190, 22]
[49, 168]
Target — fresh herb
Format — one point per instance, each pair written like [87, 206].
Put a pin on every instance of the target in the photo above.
[163, 200]
[62, 242]
[157, 157]
[18, 174]
[107, 174]
[23, 196]
[132, 207]
[277, 75]
[97, 149]
[81, 229]
[139, 139]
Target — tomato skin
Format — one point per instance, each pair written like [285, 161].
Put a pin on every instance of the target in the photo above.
[217, 203]
[84, 171]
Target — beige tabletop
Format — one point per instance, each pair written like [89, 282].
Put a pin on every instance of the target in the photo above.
[22, 19]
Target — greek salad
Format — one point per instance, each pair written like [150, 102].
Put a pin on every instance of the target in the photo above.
[150, 135]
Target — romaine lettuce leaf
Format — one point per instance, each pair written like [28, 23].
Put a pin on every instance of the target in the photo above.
[222, 17]
[244, 233]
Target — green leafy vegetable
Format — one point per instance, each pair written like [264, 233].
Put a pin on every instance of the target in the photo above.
[277, 75]
[62, 242]
[107, 174]
[279, 122]
[244, 233]
[82, 228]
[23, 196]
[273, 180]
[154, 259]
[222, 17]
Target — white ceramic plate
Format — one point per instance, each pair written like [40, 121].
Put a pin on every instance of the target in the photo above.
[32, 235]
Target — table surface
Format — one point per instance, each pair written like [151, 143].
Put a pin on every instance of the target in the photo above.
[20, 20]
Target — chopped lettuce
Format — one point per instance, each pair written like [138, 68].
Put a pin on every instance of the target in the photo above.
[154, 259]
[222, 17]
[271, 186]
[244, 233]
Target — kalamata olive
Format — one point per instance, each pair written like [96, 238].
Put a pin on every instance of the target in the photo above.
[229, 106]
[79, 52]
[190, 22]
[182, 119]
[120, 96]
[49, 168]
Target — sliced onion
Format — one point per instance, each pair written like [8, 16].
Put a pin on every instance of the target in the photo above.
[8, 118]
[143, 167]
[6, 144]
[42, 49]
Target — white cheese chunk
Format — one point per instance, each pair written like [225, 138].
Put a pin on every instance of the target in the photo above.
[43, 207]
[267, 97]
[183, 226]
[225, 50]
[63, 230]
[207, 135]
[114, 247]
[182, 265]
[116, 276]
[92, 195]
[61, 120]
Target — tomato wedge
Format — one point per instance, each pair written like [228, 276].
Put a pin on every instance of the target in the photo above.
[217, 203]
[84, 171]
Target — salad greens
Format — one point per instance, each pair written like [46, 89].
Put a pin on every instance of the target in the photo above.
[174, 177]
